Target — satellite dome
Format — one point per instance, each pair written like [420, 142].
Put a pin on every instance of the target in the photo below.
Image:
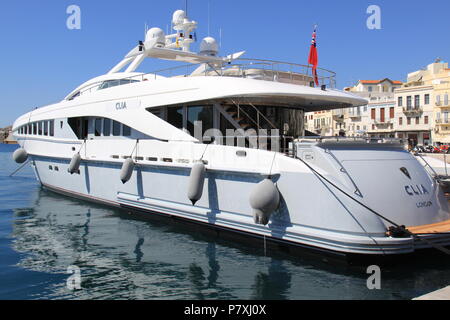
[156, 33]
[209, 47]
[178, 17]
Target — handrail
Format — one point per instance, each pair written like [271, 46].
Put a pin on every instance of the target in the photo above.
[274, 69]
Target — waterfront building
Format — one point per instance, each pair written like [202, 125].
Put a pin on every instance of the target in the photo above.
[320, 123]
[421, 109]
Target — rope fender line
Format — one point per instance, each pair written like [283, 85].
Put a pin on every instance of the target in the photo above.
[397, 230]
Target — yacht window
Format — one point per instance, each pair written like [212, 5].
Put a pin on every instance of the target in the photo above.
[159, 112]
[29, 128]
[127, 81]
[40, 128]
[25, 129]
[202, 114]
[75, 95]
[116, 128]
[79, 127]
[106, 127]
[98, 127]
[52, 128]
[113, 83]
[126, 131]
[45, 128]
[34, 128]
[175, 116]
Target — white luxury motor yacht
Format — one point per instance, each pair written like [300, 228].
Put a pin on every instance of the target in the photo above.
[220, 142]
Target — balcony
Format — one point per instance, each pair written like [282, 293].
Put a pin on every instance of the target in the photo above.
[385, 121]
[443, 121]
[412, 111]
[354, 115]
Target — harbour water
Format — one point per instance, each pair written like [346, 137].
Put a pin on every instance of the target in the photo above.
[43, 234]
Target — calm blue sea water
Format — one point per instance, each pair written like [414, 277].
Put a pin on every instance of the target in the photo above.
[42, 234]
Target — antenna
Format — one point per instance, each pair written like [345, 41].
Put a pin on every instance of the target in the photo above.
[220, 38]
[209, 18]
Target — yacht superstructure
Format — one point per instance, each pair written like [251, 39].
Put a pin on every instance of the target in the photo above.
[219, 142]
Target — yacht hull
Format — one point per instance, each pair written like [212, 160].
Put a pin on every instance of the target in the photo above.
[329, 224]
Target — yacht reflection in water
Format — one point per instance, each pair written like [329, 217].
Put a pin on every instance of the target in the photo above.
[123, 258]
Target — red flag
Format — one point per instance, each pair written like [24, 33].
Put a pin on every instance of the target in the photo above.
[313, 58]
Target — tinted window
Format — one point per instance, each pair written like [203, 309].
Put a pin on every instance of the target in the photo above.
[126, 131]
[98, 127]
[40, 128]
[202, 114]
[52, 128]
[116, 128]
[106, 127]
[34, 128]
[45, 128]
[175, 117]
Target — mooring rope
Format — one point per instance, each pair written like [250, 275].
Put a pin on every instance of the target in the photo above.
[402, 228]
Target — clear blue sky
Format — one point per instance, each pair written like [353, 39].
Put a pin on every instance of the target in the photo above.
[41, 60]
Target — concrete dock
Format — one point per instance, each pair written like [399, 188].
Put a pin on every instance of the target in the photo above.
[442, 294]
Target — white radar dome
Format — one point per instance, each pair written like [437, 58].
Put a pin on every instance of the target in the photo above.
[209, 47]
[156, 33]
[178, 17]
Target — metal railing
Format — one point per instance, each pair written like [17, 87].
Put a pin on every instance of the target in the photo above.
[266, 70]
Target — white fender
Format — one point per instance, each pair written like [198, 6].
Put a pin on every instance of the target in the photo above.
[20, 155]
[74, 163]
[264, 199]
[196, 181]
[127, 170]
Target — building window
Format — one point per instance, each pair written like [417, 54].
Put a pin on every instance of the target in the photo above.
[400, 121]
[400, 101]
[426, 120]
[372, 113]
[373, 127]
[391, 112]
[408, 120]
[417, 120]
[370, 89]
[427, 99]
[446, 99]
[409, 102]
[416, 101]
